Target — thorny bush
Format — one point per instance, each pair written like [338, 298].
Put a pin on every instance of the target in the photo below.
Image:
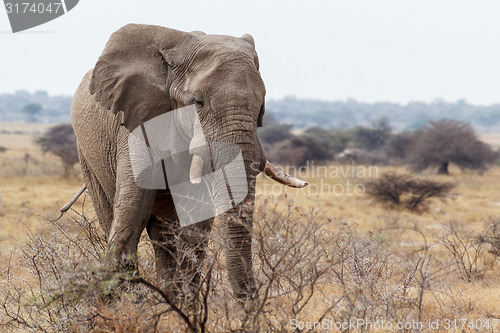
[308, 267]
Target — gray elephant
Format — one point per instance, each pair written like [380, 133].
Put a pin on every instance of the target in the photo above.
[143, 73]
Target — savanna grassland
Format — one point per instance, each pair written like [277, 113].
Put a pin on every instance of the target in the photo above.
[31, 184]
[376, 262]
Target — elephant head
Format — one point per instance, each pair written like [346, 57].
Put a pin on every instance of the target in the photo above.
[147, 71]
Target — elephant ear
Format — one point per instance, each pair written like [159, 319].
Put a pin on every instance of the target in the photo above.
[249, 39]
[260, 120]
[197, 33]
[131, 73]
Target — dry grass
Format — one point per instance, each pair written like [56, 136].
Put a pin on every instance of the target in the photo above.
[475, 200]
[476, 197]
[18, 137]
[32, 190]
[31, 184]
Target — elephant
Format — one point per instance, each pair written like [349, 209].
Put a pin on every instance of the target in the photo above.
[146, 72]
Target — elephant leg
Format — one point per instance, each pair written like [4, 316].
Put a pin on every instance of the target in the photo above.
[131, 211]
[179, 250]
[128, 223]
[162, 235]
[102, 205]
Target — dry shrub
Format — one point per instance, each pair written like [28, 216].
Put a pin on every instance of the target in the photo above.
[293, 256]
[466, 250]
[406, 192]
[59, 280]
[492, 236]
[379, 281]
[62, 283]
[34, 295]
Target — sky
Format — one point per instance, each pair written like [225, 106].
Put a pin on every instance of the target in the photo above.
[368, 50]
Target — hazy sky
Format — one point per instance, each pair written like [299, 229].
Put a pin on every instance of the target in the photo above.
[370, 50]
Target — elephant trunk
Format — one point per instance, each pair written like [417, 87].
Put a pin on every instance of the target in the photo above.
[238, 224]
[238, 220]
[238, 252]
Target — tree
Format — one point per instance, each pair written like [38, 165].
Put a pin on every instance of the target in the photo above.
[399, 145]
[274, 133]
[374, 137]
[32, 110]
[60, 140]
[300, 149]
[448, 141]
[336, 139]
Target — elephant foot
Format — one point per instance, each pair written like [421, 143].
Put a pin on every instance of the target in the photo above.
[120, 262]
[245, 291]
[183, 299]
[248, 303]
[106, 299]
[127, 266]
[111, 288]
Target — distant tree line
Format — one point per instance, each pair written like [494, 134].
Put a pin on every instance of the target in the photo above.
[417, 134]
[307, 113]
[437, 145]
[34, 107]
[301, 113]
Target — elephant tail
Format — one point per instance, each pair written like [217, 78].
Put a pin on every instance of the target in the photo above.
[67, 206]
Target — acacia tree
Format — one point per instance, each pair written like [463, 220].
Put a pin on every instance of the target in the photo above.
[448, 141]
[60, 140]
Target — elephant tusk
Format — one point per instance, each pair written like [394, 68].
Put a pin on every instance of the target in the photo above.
[196, 170]
[282, 178]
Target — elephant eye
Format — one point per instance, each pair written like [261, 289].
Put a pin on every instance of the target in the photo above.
[199, 102]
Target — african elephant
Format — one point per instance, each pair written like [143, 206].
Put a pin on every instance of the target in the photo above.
[143, 73]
